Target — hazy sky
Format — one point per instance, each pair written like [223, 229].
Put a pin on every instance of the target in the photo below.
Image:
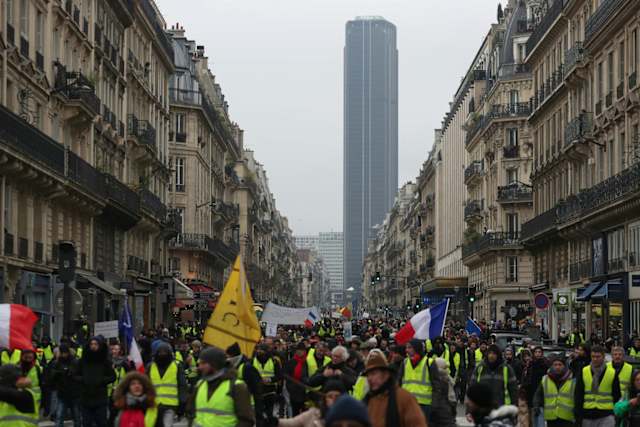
[280, 66]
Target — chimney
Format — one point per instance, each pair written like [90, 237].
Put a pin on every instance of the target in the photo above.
[200, 51]
[177, 31]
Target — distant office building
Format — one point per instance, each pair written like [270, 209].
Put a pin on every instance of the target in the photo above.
[307, 242]
[370, 134]
[331, 250]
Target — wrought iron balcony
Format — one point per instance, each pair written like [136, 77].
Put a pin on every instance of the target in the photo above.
[492, 241]
[473, 209]
[152, 204]
[513, 70]
[511, 152]
[122, 202]
[518, 109]
[30, 142]
[184, 96]
[479, 124]
[190, 241]
[540, 224]
[575, 57]
[85, 175]
[548, 88]
[626, 184]
[224, 251]
[599, 19]
[474, 170]
[579, 270]
[138, 265]
[543, 26]
[142, 131]
[515, 193]
[76, 87]
[579, 129]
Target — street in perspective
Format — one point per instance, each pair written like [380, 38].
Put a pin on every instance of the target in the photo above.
[347, 213]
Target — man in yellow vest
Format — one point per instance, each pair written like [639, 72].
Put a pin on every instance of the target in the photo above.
[634, 350]
[247, 374]
[555, 394]
[494, 372]
[10, 357]
[220, 399]
[33, 372]
[575, 338]
[61, 373]
[170, 382]
[18, 405]
[597, 390]
[271, 373]
[416, 374]
[623, 370]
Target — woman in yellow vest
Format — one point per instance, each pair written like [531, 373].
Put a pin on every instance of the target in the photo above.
[18, 406]
[135, 401]
[555, 395]
[219, 399]
[33, 372]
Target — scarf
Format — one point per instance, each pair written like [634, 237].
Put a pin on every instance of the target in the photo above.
[392, 416]
[297, 371]
[133, 415]
[559, 377]
[136, 402]
[416, 359]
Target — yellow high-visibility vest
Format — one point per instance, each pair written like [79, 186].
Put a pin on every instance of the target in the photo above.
[12, 359]
[479, 356]
[219, 411]
[624, 376]
[11, 417]
[35, 383]
[268, 370]
[558, 404]
[167, 385]
[361, 388]
[603, 398]
[417, 381]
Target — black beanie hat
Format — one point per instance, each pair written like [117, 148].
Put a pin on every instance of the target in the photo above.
[481, 394]
[234, 350]
[214, 357]
[334, 385]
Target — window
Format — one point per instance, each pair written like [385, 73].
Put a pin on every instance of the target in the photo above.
[9, 12]
[513, 97]
[513, 225]
[8, 218]
[622, 153]
[512, 269]
[180, 128]
[512, 176]
[600, 81]
[615, 249]
[513, 137]
[610, 73]
[621, 64]
[634, 244]
[522, 52]
[24, 19]
[40, 32]
[180, 174]
[634, 51]
[180, 219]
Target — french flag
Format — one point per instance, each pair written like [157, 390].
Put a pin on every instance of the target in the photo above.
[126, 328]
[310, 320]
[424, 325]
[16, 326]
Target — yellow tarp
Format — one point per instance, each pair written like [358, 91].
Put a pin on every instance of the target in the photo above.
[234, 319]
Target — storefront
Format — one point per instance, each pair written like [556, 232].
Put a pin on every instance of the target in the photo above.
[102, 301]
[605, 302]
[35, 291]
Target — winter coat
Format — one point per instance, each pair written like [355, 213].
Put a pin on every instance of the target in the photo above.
[297, 391]
[443, 397]
[94, 374]
[408, 409]
[348, 376]
[533, 378]
[494, 377]
[62, 376]
[309, 418]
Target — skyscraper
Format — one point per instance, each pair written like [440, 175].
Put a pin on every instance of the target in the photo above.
[370, 135]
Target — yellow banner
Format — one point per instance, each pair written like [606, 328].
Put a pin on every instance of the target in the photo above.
[234, 319]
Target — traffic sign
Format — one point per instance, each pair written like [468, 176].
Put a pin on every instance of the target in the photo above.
[541, 301]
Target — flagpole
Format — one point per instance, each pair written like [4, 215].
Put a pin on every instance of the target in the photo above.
[124, 309]
[446, 311]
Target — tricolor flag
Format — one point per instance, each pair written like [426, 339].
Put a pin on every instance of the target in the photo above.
[126, 328]
[472, 327]
[16, 326]
[426, 324]
[311, 320]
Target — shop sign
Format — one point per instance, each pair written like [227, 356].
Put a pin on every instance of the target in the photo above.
[635, 280]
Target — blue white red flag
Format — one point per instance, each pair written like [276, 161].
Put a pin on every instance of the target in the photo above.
[126, 329]
[424, 325]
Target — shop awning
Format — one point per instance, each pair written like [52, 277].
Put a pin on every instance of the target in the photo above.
[610, 287]
[585, 293]
[182, 290]
[100, 284]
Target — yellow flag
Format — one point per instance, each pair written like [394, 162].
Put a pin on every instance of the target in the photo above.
[234, 320]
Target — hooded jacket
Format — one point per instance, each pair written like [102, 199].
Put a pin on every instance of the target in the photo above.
[492, 374]
[162, 368]
[62, 375]
[94, 374]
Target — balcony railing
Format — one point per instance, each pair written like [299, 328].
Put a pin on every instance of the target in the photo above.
[137, 264]
[8, 243]
[77, 87]
[540, 224]
[511, 152]
[152, 203]
[518, 109]
[548, 88]
[191, 241]
[578, 129]
[574, 57]
[615, 265]
[543, 26]
[605, 193]
[473, 209]
[142, 130]
[479, 124]
[153, 18]
[184, 96]
[474, 169]
[600, 17]
[579, 270]
[494, 240]
[514, 193]
[121, 194]
[85, 175]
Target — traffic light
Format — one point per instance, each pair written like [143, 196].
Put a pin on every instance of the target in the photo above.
[66, 261]
[373, 280]
[378, 277]
[471, 298]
